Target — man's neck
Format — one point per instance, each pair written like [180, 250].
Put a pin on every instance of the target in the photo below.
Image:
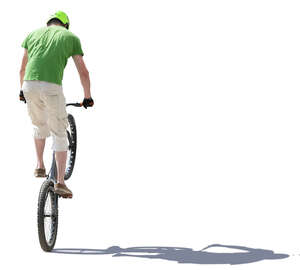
[54, 24]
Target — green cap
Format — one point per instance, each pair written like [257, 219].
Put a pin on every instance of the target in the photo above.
[60, 15]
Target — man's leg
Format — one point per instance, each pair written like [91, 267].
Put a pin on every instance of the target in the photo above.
[58, 122]
[39, 117]
[40, 146]
[61, 158]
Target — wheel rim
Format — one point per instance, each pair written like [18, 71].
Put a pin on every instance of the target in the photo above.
[70, 153]
[69, 149]
[49, 217]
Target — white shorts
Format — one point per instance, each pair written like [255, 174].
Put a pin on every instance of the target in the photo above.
[47, 109]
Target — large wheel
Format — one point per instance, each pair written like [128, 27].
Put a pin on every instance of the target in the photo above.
[72, 138]
[47, 216]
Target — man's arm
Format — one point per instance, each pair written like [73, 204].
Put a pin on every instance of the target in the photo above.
[83, 74]
[23, 67]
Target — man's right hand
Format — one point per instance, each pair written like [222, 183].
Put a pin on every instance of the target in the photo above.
[87, 102]
[21, 96]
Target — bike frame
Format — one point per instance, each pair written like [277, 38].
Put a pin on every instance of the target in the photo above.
[52, 176]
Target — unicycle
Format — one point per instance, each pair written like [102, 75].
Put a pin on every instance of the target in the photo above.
[47, 211]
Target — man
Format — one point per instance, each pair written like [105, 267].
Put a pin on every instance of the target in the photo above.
[46, 54]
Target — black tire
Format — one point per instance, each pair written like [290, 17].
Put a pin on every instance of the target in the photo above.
[72, 138]
[47, 216]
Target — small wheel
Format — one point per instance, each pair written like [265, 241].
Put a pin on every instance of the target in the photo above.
[47, 216]
[72, 139]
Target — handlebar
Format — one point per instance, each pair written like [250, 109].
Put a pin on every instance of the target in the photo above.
[74, 104]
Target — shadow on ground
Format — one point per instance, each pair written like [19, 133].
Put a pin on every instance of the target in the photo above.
[240, 255]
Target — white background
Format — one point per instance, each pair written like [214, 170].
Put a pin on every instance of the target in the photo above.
[194, 138]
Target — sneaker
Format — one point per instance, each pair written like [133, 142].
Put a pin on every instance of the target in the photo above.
[40, 172]
[62, 190]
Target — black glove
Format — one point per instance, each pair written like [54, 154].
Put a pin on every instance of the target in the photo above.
[21, 96]
[87, 102]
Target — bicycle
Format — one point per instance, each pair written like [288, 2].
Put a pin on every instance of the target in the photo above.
[47, 210]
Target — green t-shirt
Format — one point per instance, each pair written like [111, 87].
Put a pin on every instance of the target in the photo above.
[48, 51]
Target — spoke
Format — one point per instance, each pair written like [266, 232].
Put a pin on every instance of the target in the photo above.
[50, 216]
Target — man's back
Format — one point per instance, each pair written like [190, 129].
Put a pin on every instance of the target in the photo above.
[48, 51]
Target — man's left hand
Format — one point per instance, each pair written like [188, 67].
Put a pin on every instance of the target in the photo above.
[21, 96]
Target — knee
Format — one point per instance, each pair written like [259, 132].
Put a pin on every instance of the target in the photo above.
[41, 132]
[60, 143]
